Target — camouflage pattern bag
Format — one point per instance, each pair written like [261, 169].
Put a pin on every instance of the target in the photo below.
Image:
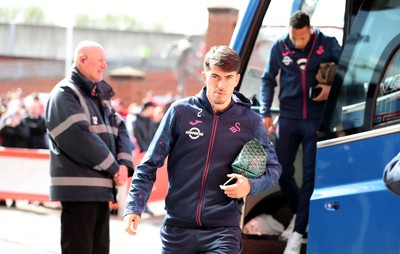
[251, 161]
[326, 73]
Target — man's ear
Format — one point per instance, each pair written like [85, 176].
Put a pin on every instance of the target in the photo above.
[237, 79]
[84, 57]
[204, 77]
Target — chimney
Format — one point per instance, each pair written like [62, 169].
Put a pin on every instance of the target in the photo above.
[221, 24]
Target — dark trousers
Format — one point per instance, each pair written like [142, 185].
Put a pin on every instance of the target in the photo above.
[219, 240]
[85, 228]
[292, 133]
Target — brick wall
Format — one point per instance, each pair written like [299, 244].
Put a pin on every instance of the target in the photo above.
[221, 24]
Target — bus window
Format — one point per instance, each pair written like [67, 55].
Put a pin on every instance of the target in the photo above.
[388, 101]
[274, 25]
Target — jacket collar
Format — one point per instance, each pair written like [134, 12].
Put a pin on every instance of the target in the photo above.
[104, 90]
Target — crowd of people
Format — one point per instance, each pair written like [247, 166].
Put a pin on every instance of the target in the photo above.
[21, 123]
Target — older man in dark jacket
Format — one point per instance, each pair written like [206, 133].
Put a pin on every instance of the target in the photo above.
[90, 152]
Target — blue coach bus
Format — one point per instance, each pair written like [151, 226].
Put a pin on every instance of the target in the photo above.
[351, 210]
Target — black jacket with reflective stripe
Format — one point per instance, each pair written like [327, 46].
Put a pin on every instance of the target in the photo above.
[88, 140]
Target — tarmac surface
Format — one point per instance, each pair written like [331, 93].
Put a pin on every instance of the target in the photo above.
[32, 229]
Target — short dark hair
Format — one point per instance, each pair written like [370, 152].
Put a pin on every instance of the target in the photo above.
[222, 57]
[299, 20]
[147, 104]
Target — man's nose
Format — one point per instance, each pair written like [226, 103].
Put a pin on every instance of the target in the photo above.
[299, 45]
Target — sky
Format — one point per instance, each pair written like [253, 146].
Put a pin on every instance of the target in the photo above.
[170, 13]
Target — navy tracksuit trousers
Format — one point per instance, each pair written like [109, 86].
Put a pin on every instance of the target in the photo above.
[216, 240]
[292, 133]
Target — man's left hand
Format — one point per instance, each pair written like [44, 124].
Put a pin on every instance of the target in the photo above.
[323, 95]
[240, 189]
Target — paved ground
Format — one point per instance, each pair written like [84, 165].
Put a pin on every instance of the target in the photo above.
[36, 230]
[33, 229]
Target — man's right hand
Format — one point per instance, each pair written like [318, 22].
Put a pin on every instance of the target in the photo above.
[131, 222]
[121, 176]
[269, 125]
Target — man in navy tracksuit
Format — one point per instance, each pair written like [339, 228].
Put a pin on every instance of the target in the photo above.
[202, 135]
[297, 57]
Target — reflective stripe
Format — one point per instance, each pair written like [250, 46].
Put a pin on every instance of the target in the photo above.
[124, 156]
[114, 131]
[81, 99]
[81, 181]
[105, 164]
[101, 128]
[66, 124]
[119, 119]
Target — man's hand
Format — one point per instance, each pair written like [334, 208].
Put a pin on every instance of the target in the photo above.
[269, 125]
[240, 189]
[121, 176]
[323, 95]
[131, 222]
